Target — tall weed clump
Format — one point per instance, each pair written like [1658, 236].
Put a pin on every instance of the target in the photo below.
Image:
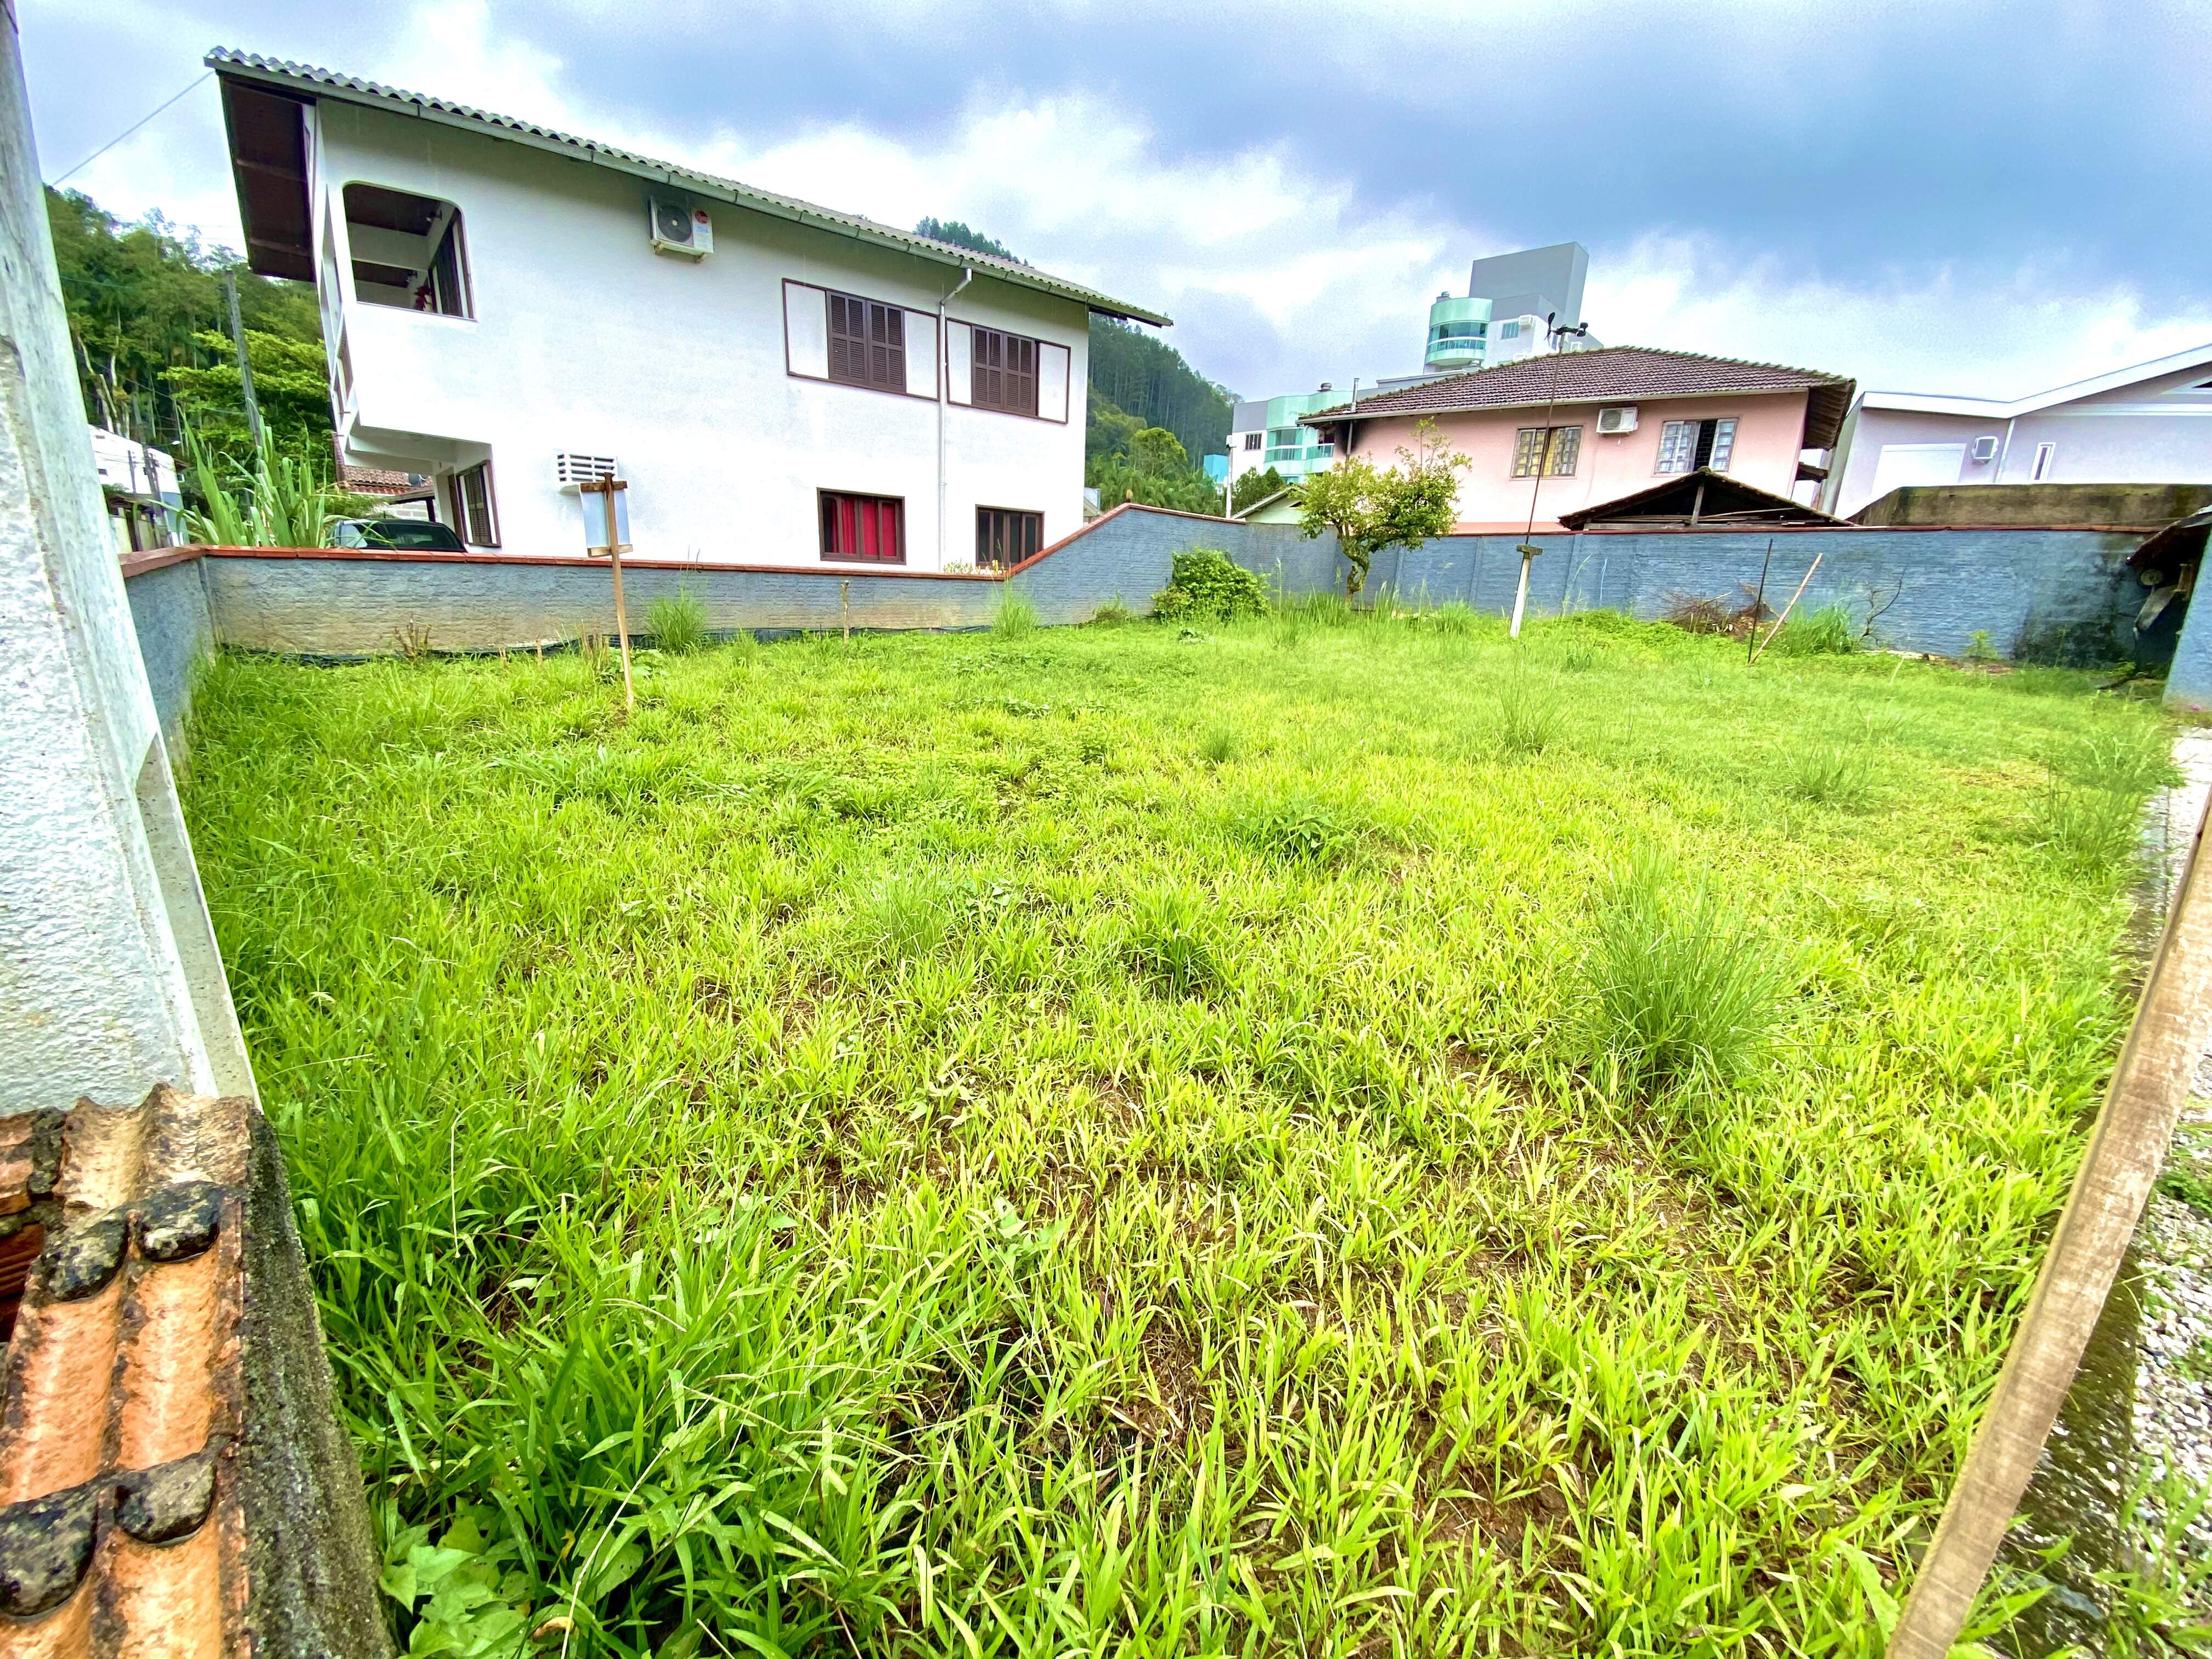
[1828, 774]
[1828, 632]
[2091, 817]
[1017, 616]
[1682, 992]
[1528, 713]
[677, 622]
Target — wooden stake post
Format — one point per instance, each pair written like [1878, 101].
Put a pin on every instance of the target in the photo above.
[605, 489]
[2172, 1030]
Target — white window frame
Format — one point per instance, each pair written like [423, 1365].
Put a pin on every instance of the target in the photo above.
[2045, 453]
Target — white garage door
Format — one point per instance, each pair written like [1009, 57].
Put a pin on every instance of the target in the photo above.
[1916, 464]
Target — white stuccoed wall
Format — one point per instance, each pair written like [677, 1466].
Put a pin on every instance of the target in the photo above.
[109, 979]
[586, 339]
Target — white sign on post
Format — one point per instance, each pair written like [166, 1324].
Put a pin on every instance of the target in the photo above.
[594, 503]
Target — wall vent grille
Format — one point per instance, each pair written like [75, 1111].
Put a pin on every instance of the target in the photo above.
[571, 467]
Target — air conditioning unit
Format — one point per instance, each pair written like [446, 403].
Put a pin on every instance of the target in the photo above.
[679, 228]
[1612, 423]
[1985, 449]
[571, 468]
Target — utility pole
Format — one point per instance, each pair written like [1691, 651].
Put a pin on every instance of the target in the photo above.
[244, 368]
[1556, 337]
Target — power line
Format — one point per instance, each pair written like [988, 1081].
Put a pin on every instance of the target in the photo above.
[58, 183]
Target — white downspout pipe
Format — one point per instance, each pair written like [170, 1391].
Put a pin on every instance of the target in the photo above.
[943, 390]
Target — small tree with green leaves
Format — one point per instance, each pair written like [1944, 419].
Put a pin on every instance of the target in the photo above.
[1370, 509]
[1254, 488]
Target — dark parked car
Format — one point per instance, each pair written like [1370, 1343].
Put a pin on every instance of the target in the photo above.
[402, 535]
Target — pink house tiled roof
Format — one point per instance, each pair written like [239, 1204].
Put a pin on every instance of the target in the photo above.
[1611, 374]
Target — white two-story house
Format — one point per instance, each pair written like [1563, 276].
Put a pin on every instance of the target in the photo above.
[514, 311]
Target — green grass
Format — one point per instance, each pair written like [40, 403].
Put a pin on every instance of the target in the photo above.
[909, 1148]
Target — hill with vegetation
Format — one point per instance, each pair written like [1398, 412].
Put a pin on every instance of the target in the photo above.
[1139, 385]
[148, 326]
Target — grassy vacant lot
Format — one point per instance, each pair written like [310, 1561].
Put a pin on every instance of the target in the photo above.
[1100, 1141]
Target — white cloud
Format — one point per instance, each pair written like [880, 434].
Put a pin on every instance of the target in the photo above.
[1998, 333]
[1280, 276]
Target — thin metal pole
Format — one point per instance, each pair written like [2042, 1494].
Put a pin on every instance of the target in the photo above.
[942, 372]
[1553, 336]
[1751, 633]
[244, 368]
[2172, 1027]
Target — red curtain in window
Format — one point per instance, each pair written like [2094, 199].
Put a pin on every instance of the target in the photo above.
[871, 528]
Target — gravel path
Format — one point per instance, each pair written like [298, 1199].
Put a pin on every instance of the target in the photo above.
[2172, 1414]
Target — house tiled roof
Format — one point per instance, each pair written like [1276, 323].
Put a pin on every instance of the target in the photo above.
[379, 481]
[308, 79]
[122, 1395]
[1610, 375]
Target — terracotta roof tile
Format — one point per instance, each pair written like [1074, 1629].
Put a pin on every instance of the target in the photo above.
[1610, 375]
[122, 1389]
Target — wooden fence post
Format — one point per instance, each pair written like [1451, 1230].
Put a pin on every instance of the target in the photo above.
[2172, 1030]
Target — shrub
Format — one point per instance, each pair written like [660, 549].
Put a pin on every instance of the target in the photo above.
[1695, 613]
[1112, 613]
[1016, 618]
[1681, 992]
[1207, 586]
[677, 622]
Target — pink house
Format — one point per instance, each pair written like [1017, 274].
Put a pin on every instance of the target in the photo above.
[1620, 420]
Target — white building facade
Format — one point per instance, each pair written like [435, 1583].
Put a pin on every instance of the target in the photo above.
[2151, 423]
[512, 310]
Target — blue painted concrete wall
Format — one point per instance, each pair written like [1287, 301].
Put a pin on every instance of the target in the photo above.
[2033, 592]
[176, 629]
[2029, 590]
[2189, 681]
[1131, 555]
[317, 605]
[326, 607]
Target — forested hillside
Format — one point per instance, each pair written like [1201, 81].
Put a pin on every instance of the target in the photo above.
[148, 325]
[1136, 371]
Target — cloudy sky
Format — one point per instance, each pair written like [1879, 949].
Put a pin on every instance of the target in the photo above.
[1971, 196]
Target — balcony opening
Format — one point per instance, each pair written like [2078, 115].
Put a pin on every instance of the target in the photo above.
[408, 251]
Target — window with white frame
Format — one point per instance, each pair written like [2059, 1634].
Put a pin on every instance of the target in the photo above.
[1252, 440]
[2045, 455]
[1685, 446]
[1508, 330]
